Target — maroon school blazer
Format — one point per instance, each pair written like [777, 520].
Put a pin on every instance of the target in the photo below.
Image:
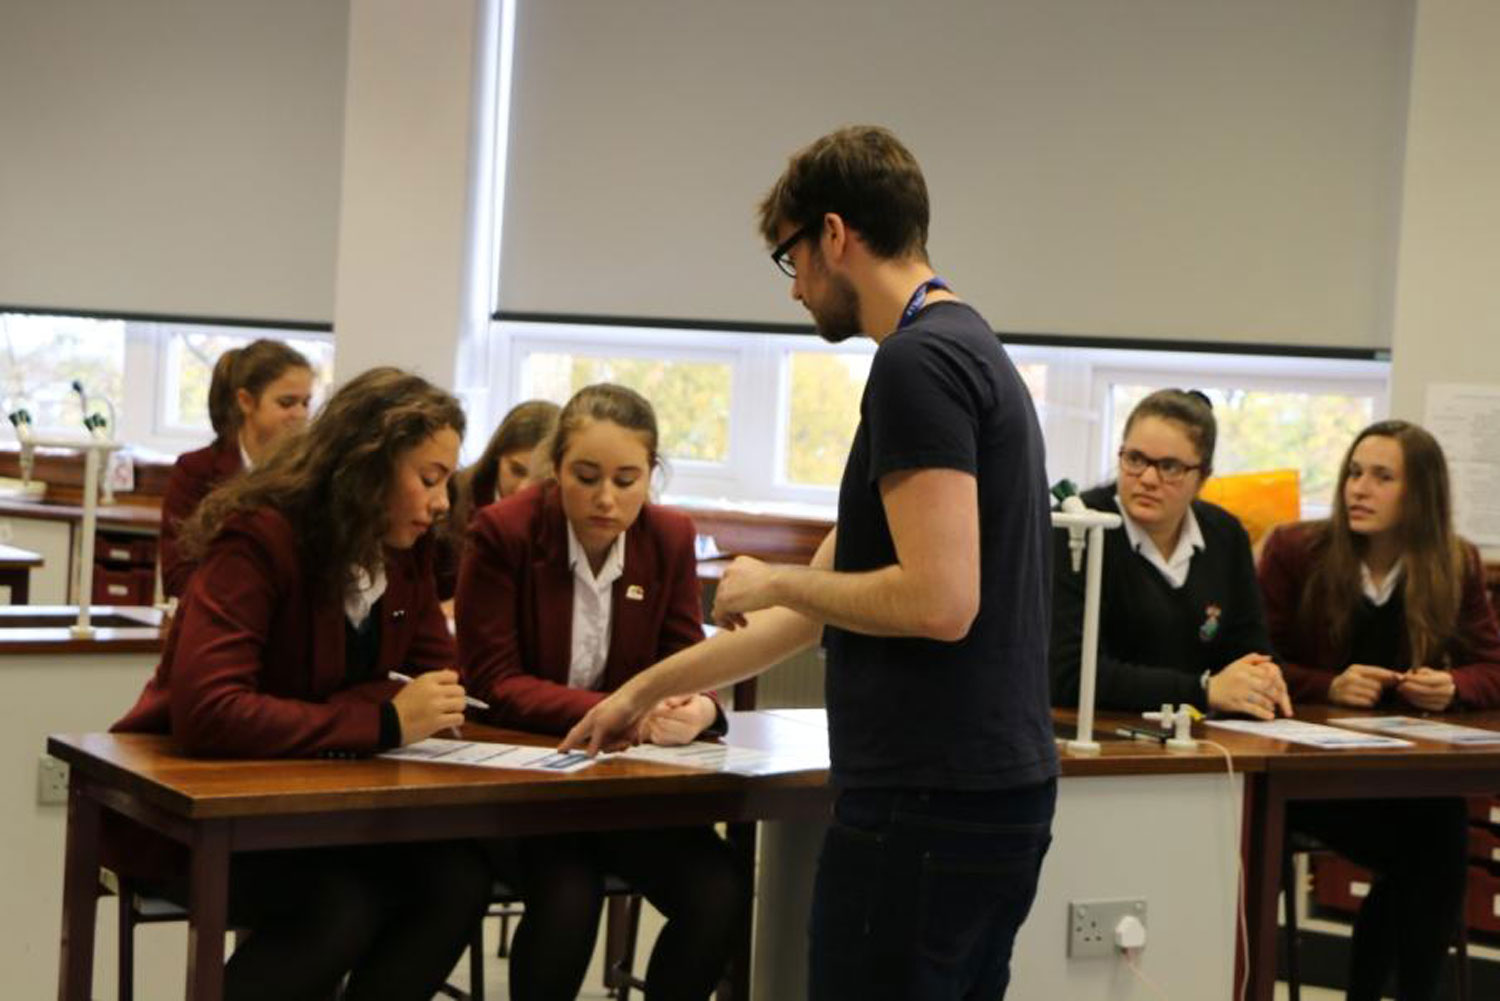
[254, 663]
[515, 607]
[193, 476]
[1309, 661]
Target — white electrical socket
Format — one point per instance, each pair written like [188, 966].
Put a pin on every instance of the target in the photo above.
[51, 781]
[1091, 924]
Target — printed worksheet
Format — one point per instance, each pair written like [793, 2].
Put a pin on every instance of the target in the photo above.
[1422, 729]
[526, 757]
[1313, 734]
[703, 754]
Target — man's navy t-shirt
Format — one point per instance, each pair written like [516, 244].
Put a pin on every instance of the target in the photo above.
[918, 713]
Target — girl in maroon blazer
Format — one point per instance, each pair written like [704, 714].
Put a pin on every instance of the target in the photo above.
[1384, 605]
[566, 590]
[315, 581]
[258, 393]
[509, 462]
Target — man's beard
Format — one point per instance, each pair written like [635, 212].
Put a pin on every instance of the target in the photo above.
[839, 321]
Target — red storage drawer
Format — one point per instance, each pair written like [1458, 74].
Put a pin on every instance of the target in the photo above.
[114, 547]
[123, 587]
[1484, 809]
[1339, 883]
[1483, 905]
[1484, 843]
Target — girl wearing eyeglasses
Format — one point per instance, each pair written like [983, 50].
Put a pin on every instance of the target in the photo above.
[1180, 612]
[567, 590]
[1383, 605]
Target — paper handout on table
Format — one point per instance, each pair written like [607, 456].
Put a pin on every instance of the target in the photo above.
[1423, 729]
[526, 757]
[1314, 734]
[703, 754]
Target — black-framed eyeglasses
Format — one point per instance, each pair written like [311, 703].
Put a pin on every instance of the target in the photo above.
[1170, 470]
[781, 256]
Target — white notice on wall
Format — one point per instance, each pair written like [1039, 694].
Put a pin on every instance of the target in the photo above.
[1465, 419]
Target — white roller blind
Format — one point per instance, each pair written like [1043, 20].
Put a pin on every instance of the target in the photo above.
[171, 156]
[1180, 169]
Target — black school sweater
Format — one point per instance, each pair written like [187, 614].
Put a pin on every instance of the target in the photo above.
[1155, 642]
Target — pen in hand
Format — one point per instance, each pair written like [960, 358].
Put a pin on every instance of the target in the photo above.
[469, 700]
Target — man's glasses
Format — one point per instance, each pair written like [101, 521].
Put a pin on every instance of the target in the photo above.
[781, 256]
[1169, 469]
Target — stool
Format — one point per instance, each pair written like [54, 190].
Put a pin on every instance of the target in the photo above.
[1297, 843]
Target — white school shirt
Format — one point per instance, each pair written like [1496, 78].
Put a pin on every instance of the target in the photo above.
[1175, 567]
[1379, 595]
[593, 604]
[362, 594]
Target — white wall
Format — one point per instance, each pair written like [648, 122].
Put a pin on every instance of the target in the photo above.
[39, 695]
[1170, 839]
[1448, 281]
[416, 154]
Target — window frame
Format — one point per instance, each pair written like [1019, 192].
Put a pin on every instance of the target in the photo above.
[156, 343]
[523, 339]
[1249, 373]
[1074, 415]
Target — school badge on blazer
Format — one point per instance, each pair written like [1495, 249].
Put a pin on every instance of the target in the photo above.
[635, 593]
[1210, 627]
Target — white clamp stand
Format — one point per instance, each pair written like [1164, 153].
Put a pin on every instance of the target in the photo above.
[1086, 531]
[94, 448]
[1180, 722]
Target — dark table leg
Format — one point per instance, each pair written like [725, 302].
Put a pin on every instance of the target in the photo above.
[19, 582]
[75, 979]
[736, 983]
[208, 908]
[1266, 842]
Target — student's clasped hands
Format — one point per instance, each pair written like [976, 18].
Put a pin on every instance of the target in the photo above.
[1252, 685]
[1362, 685]
[676, 720]
[618, 722]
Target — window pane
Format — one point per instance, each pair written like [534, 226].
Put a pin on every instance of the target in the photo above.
[823, 411]
[190, 360]
[44, 354]
[1034, 374]
[692, 399]
[1266, 429]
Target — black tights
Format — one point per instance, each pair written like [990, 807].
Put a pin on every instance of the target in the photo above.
[689, 874]
[1418, 849]
[395, 918]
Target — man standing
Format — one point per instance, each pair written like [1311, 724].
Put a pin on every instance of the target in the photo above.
[931, 594]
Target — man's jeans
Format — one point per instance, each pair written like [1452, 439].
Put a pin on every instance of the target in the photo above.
[919, 893]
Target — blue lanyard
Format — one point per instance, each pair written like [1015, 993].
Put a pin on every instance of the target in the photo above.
[919, 299]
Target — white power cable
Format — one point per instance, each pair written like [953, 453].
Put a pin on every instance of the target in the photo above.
[1140, 975]
[1241, 923]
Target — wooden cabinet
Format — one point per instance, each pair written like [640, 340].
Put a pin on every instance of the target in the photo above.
[124, 570]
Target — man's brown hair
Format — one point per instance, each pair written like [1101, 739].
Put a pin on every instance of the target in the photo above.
[865, 175]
